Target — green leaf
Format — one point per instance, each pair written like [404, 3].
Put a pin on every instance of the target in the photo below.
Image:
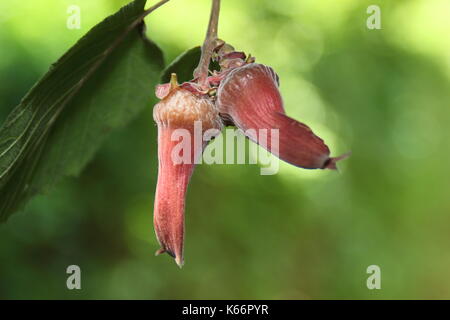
[104, 80]
[183, 65]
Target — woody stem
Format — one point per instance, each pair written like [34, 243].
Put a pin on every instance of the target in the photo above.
[210, 43]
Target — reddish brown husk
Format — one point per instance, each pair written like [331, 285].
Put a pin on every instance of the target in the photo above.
[173, 180]
[249, 97]
[178, 110]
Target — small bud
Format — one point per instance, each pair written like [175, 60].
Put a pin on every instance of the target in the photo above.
[249, 97]
[179, 109]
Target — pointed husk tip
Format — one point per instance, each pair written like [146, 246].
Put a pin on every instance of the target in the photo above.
[178, 259]
[331, 162]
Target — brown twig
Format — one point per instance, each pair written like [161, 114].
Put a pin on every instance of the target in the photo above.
[210, 43]
[154, 7]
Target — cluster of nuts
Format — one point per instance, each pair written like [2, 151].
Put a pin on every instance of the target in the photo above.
[244, 94]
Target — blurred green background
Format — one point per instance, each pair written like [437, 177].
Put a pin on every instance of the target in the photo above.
[383, 94]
